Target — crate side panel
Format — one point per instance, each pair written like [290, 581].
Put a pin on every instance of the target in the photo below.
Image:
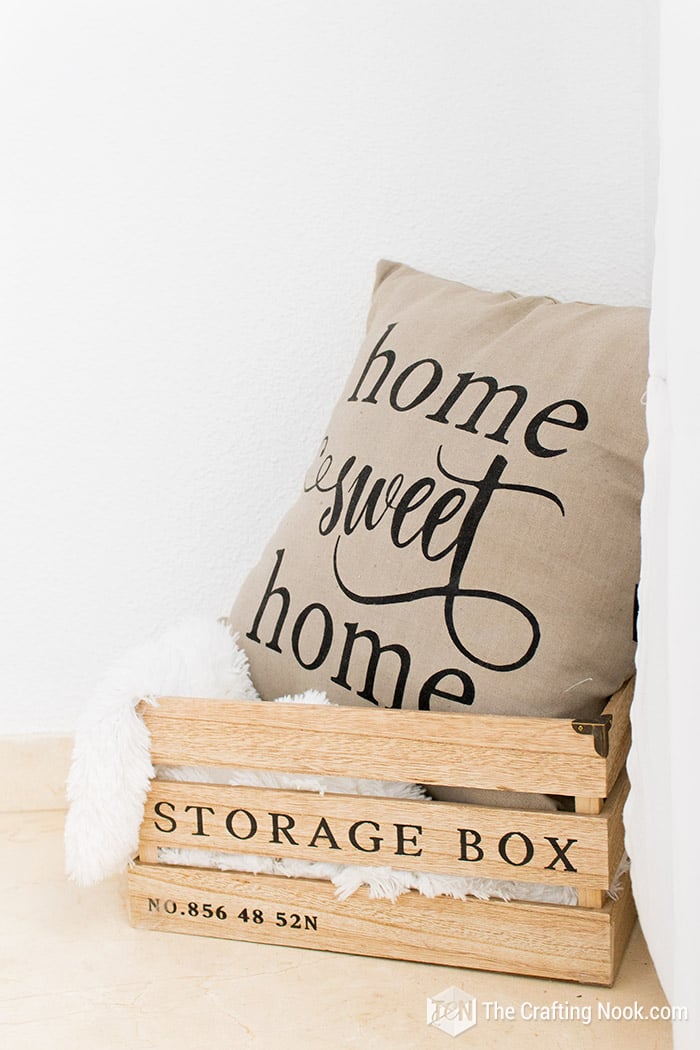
[541, 940]
[620, 734]
[443, 837]
[623, 916]
[526, 754]
[613, 814]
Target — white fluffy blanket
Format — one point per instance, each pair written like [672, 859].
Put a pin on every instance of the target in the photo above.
[111, 770]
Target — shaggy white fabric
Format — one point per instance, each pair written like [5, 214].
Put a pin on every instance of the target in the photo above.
[111, 765]
[111, 770]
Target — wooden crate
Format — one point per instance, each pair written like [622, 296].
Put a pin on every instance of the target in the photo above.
[582, 849]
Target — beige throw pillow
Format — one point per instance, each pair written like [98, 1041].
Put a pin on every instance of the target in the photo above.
[467, 537]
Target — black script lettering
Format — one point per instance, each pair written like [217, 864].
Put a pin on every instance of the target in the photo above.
[560, 852]
[271, 590]
[326, 641]
[493, 389]
[282, 829]
[452, 591]
[367, 510]
[389, 356]
[374, 839]
[465, 381]
[376, 654]
[358, 509]
[529, 848]
[402, 839]
[413, 498]
[330, 516]
[200, 820]
[252, 824]
[430, 688]
[580, 422]
[432, 384]
[323, 831]
[376, 650]
[472, 844]
[443, 510]
[159, 812]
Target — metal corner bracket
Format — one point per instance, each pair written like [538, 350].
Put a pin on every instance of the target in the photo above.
[598, 728]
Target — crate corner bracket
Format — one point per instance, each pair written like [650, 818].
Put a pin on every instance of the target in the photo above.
[599, 729]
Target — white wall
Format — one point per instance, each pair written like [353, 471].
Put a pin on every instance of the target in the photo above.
[195, 195]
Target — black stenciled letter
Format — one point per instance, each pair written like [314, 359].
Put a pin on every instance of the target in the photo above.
[159, 812]
[252, 824]
[282, 829]
[466, 845]
[560, 853]
[374, 839]
[529, 848]
[402, 839]
[200, 820]
[323, 831]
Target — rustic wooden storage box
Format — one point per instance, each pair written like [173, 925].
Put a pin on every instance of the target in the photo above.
[582, 849]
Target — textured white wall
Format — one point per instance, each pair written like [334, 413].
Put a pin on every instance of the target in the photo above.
[195, 195]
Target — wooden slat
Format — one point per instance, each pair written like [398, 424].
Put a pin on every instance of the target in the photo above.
[527, 734]
[439, 840]
[488, 751]
[556, 941]
[148, 851]
[623, 915]
[620, 735]
[590, 898]
[613, 810]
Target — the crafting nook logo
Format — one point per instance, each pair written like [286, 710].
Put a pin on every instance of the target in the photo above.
[452, 1011]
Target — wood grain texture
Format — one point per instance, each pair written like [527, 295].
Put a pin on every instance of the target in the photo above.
[590, 898]
[623, 916]
[488, 751]
[148, 851]
[201, 817]
[620, 735]
[583, 943]
[613, 809]
[556, 941]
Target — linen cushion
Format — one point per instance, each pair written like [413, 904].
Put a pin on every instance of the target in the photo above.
[467, 536]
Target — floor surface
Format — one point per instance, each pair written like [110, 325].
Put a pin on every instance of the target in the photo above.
[75, 975]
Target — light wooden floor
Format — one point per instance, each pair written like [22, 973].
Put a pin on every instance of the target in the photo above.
[75, 975]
